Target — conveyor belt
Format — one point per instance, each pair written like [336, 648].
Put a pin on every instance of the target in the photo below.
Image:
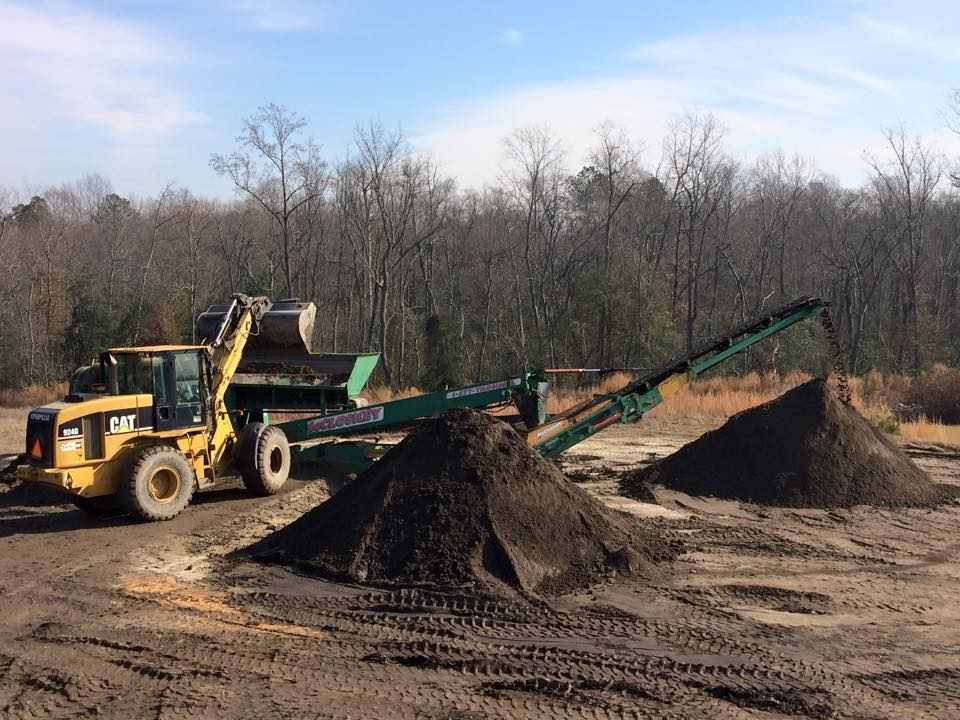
[722, 342]
[629, 403]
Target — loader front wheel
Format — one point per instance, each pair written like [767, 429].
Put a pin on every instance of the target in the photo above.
[264, 460]
[159, 485]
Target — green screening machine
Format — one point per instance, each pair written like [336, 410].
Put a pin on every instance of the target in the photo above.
[280, 374]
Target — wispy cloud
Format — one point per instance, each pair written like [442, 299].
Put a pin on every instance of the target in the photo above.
[824, 89]
[63, 64]
[280, 15]
[511, 36]
[929, 38]
[84, 91]
[816, 67]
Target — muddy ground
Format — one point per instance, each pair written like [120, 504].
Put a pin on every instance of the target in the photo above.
[769, 613]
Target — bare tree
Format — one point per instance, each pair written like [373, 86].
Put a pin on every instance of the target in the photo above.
[162, 214]
[114, 215]
[700, 175]
[390, 205]
[536, 184]
[602, 263]
[779, 186]
[904, 186]
[196, 217]
[953, 122]
[277, 169]
[616, 163]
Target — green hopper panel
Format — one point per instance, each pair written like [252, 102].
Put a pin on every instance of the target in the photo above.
[337, 378]
[362, 369]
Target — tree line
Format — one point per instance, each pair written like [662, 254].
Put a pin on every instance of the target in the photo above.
[617, 263]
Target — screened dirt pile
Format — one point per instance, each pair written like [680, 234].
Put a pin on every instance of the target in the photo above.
[464, 501]
[803, 449]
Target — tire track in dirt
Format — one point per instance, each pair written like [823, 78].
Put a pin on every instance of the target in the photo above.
[166, 625]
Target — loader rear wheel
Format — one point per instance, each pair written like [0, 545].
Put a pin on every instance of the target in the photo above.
[159, 485]
[264, 458]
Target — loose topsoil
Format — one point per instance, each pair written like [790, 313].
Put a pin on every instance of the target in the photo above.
[279, 368]
[464, 501]
[803, 449]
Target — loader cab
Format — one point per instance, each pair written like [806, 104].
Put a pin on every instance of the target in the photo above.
[174, 375]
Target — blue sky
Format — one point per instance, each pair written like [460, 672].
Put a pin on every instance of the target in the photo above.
[142, 92]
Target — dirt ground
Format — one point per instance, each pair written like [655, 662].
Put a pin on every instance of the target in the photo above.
[769, 613]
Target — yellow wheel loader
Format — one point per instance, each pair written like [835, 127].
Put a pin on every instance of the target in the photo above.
[147, 426]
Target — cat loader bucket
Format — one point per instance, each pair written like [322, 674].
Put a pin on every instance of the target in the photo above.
[285, 330]
[281, 346]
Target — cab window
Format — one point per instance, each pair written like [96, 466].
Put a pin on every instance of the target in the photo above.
[134, 373]
[187, 371]
[159, 380]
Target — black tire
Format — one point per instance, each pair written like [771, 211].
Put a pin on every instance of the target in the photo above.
[245, 450]
[263, 455]
[100, 506]
[159, 484]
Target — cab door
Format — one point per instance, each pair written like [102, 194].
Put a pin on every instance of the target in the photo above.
[189, 392]
[164, 407]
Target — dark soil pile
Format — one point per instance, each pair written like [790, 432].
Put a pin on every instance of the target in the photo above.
[464, 501]
[8, 467]
[803, 449]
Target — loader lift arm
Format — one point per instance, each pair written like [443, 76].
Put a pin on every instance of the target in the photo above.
[642, 395]
[225, 351]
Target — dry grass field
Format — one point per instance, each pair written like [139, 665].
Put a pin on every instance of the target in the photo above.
[704, 400]
[13, 423]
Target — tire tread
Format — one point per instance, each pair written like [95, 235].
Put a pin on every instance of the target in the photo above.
[251, 448]
[127, 492]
